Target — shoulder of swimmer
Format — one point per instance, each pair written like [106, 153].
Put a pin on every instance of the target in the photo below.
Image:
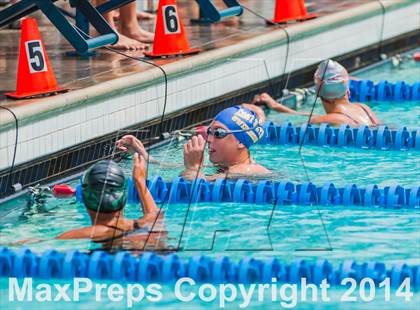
[333, 119]
[251, 168]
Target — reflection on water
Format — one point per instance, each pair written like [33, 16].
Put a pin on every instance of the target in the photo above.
[236, 230]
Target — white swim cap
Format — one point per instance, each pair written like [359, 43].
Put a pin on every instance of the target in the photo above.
[335, 80]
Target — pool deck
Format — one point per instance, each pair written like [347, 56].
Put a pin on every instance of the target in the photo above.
[109, 92]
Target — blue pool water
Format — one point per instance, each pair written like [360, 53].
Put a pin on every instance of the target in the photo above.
[385, 235]
[362, 234]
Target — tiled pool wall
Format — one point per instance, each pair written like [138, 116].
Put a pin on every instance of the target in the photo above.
[62, 135]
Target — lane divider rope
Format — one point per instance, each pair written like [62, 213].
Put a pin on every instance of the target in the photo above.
[363, 137]
[180, 190]
[150, 267]
[367, 90]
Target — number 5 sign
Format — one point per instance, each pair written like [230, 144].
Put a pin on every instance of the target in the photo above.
[171, 19]
[35, 56]
[35, 76]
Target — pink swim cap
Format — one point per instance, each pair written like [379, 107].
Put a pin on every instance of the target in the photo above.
[334, 81]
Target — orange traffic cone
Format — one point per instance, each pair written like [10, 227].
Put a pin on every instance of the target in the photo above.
[35, 76]
[170, 38]
[288, 10]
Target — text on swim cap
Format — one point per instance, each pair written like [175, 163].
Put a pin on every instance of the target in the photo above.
[241, 115]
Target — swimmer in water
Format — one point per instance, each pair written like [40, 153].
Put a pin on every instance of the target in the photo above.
[229, 137]
[334, 93]
[104, 194]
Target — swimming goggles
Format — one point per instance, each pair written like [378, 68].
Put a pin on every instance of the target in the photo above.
[220, 133]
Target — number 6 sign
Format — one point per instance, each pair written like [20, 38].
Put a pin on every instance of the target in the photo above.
[170, 38]
[171, 19]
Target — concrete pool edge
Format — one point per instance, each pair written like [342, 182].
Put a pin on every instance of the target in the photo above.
[199, 62]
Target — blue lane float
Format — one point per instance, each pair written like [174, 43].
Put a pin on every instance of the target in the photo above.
[366, 90]
[150, 267]
[363, 137]
[180, 190]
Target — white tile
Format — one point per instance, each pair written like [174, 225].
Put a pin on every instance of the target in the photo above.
[3, 139]
[4, 157]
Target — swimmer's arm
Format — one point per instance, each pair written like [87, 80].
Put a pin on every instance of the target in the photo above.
[81, 233]
[149, 206]
[72, 234]
[148, 203]
[24, 241]
[95, 233]
[283, 109]
[276, 106]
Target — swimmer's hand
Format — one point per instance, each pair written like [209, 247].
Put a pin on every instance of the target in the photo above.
[194, 152]
[266, 99]
[193, 156]
[131, 144]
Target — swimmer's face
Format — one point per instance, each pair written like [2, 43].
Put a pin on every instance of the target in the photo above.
[223, 151]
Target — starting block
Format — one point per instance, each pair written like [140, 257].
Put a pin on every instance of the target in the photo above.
[209, 13]
[76, 35]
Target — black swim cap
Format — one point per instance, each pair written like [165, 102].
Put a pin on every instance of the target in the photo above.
[104, 187]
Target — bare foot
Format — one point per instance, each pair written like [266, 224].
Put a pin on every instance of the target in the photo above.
[140, 15]
[137, 33]
[145, 15]
[125, 43]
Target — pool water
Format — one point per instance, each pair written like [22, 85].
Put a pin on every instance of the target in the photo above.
[323, 164]
[280, 231]
[261, 231]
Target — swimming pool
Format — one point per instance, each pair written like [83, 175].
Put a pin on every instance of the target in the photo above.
[386, 235]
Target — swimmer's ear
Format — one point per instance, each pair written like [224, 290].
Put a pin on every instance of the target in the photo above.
[348, 93]
[241, 146]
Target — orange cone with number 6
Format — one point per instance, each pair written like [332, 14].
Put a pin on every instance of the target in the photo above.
[170, 38]
[288, 10]
[35, 76]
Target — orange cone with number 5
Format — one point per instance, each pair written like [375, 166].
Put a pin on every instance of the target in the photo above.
[170, 38]
[35, 76]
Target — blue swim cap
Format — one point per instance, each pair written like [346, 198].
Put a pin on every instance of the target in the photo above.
[241, 119]
[335, 81]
